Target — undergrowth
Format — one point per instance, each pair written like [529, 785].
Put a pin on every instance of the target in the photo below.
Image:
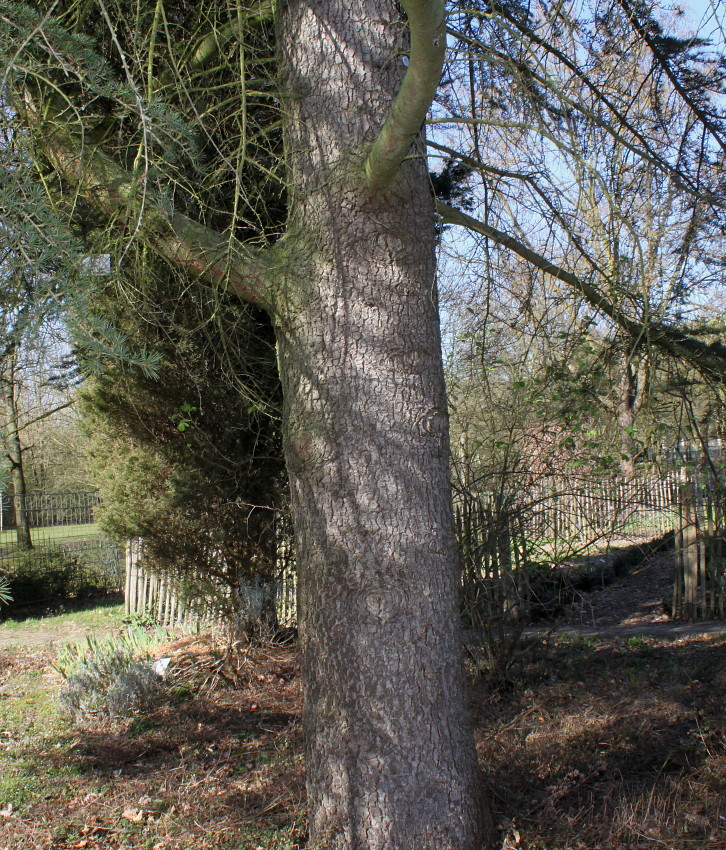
[109, 678]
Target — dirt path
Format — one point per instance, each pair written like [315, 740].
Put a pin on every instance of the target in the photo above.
[632, 606]
[47, 635]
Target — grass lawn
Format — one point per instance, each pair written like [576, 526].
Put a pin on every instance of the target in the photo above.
[51, 534]
[104, 616]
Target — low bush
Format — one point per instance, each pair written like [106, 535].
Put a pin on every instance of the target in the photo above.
[108, 678]
[39, 574]
[51, 572]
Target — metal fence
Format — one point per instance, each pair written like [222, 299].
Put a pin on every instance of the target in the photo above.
[63, 526]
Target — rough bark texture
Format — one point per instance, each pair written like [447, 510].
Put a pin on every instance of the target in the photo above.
[390, 759]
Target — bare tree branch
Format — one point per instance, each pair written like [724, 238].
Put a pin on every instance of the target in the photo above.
[708, 358]
[646, 33]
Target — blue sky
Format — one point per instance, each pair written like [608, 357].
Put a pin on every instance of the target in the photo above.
[703, 7]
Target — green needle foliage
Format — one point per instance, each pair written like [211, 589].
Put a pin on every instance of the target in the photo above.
[182, 407]
[185, 458]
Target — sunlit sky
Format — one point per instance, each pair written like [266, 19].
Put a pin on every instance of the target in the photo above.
[700, 11]
[707, 18]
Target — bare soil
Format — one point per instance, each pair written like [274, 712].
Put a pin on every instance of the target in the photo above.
[635, 600]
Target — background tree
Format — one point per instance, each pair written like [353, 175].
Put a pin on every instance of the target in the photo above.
[604, 176]
[190, 459]
[602, 182]
[30, 343]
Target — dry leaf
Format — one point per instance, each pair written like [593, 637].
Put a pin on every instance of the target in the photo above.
[134, 815]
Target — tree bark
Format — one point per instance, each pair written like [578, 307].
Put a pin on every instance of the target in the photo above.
[390, 757]
[629, 392]
[14, 453]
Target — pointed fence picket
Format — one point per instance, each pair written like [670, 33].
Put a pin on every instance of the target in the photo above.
[162, 597]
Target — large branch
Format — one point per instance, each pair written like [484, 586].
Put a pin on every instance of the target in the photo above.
[426, 22]
[708, 358]
[643, 150]
[180, 240]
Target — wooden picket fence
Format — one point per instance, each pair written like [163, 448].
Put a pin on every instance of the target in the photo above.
[501, 535]
[555, 519]
[160, 597]
[155, 595]
[699, 590]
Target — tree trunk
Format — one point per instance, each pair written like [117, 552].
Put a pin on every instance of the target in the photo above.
[17, 475]
[628, 405]
[390, 756]
[14, 454]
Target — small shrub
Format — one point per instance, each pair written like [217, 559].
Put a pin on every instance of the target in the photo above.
[141, 620]
[51, 572]
[110, 678]
[40, 574]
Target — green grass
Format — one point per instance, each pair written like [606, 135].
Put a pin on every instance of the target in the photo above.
[32, 728]
[102, 616]
[51, 534]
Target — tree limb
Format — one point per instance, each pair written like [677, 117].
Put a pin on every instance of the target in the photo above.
[645, 32]
[45, 414]
[708, 358]
[181, 241]
[426, 21]
[646, 150]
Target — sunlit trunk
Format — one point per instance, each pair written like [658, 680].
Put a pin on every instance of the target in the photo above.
[390, 757]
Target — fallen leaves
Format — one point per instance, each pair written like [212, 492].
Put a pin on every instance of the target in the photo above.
[133, 814]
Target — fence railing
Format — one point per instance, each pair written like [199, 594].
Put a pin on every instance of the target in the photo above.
[64, 538]
[559, 513]
[49, 510]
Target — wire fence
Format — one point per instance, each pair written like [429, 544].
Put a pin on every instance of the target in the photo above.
[68, 553]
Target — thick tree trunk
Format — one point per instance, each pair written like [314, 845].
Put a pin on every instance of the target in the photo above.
[390, 757]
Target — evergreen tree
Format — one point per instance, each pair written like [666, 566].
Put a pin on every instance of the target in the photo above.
[189, 458]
